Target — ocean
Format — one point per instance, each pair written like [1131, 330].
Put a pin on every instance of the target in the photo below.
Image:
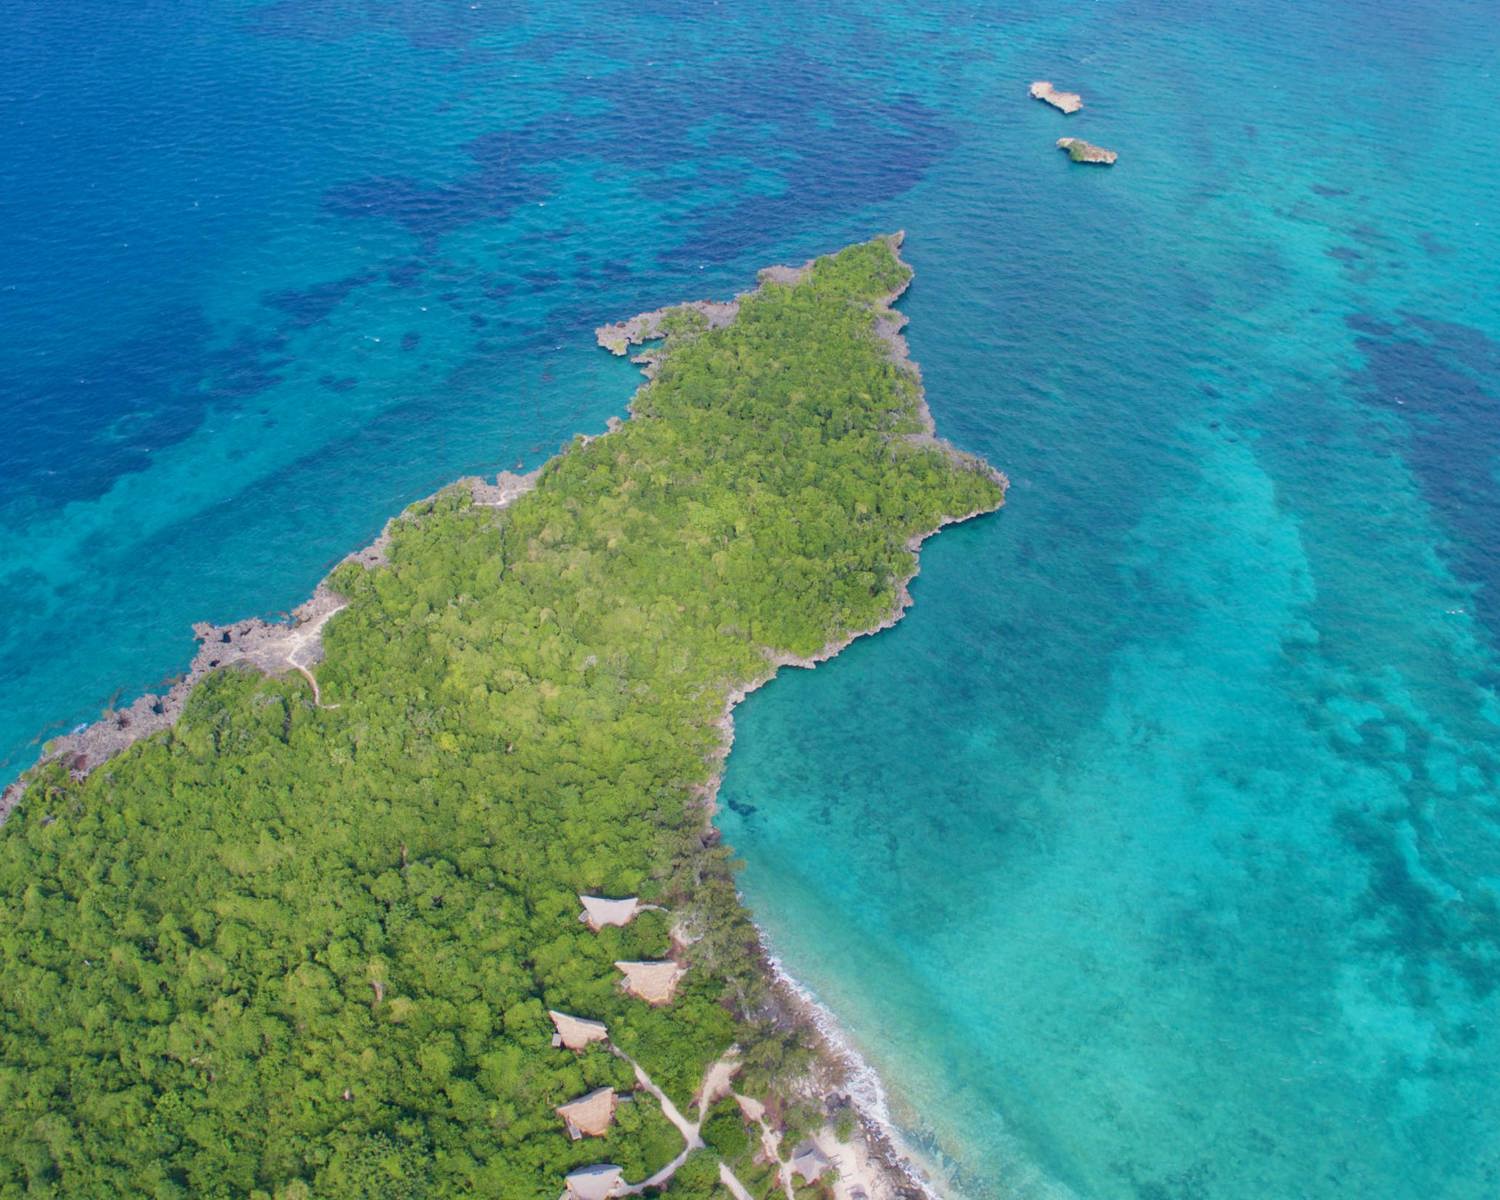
[1154, 855]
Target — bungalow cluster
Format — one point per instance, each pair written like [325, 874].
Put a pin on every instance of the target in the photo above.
[591, 1115]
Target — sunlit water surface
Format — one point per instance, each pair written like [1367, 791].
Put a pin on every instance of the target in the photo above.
[1155, 854]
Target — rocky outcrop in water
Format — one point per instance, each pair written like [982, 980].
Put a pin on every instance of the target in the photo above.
[1068, 102]
[648, 327]
[1081, 151]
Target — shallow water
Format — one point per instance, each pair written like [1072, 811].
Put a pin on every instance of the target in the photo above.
[1155, 854]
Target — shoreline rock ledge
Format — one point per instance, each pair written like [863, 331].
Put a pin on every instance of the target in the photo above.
[1081, 151]
[1068, 102]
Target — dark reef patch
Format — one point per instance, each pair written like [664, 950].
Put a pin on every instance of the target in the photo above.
[1402, 916]
[1433, 246]
[1443, 379]
[123, 402]
[1361, 323]
[431, 210]
[406, 275]
[312, 305]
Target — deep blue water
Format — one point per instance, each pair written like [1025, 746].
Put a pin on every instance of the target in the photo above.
[1155, 855]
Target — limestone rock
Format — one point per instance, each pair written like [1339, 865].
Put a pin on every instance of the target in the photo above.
[1081, 151]
[1068, 102]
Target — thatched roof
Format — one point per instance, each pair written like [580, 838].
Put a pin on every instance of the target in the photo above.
[599, 912]
[589, 1116]
[576, 1032]
[809, 1162]
[598, 1182]
[653, 982]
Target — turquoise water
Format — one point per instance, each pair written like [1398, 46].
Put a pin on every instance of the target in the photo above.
[1155, 854]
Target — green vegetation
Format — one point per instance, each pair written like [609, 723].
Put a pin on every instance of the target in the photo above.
[843, 1124]
[1081, 151]
[288, 951]
[725, 1132]
[697, 1179]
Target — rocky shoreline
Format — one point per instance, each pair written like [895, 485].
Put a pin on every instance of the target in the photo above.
[273, 647]
[891, 1173]
[651, 326]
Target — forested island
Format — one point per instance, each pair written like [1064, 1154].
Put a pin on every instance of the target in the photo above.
[327, 943]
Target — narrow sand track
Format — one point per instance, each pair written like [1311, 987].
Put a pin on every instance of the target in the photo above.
[715, 1084]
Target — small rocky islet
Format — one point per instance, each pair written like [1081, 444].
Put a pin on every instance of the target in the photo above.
[1079, 151]
[1067, 102]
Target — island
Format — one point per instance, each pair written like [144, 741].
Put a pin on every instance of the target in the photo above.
[310, 926]
[1068, 102]
[1081, 151]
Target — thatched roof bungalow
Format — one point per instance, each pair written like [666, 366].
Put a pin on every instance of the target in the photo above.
[599, 911]
[653, 982]
[576, 1032]
[809, 1162]
[599, 1182]
[589, 1116]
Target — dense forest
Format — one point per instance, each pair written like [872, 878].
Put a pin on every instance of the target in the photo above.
[289, 950]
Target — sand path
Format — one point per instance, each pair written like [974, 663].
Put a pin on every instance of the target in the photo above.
[717, 1080]
[304, 644]
[857, 1170]
[736, 1188]
[688, 1129]
[770, 1140]
[715, 1084]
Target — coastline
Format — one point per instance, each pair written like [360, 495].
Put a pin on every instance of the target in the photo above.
[885, 1167]
[882, 1166]
[272, 647]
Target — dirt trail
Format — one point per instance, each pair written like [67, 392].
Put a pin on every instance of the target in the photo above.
[715, 1084]
[717, 1081]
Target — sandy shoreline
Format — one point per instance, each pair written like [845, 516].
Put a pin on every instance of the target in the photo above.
[876, 1158]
